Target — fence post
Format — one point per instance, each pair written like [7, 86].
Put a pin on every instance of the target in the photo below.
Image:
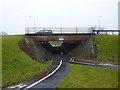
[26, 30]
[76, 30]
[60, 30]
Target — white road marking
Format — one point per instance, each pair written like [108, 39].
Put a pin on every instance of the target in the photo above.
[45, 77]
[19, 86]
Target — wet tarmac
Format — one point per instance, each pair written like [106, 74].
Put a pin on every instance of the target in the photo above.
[54, 80]
[101, 65]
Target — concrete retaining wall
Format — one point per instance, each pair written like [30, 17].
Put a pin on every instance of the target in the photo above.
[85, 50]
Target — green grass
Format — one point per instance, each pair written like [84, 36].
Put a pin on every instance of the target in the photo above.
[107, 47]
[55, 44]
[89, 77]
[16, 65]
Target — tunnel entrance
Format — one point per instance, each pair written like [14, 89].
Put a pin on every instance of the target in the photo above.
[62, 49]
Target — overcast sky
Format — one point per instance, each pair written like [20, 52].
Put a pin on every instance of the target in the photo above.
[57, 13]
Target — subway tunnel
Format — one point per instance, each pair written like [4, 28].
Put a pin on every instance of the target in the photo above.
[63, 49]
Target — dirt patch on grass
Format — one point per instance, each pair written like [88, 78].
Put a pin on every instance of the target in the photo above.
[28, 48]
[34, 49]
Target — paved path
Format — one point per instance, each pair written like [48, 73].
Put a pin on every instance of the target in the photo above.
[54, 80]
[102, 65]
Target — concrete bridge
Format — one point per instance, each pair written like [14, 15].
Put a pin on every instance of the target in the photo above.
[68, 40]
[65, 33]
[61, 37]
[60, 34]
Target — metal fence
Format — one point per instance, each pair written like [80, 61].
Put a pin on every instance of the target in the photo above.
[59, 30]
[108, 32]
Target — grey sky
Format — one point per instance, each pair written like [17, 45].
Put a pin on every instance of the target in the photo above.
[57, 13]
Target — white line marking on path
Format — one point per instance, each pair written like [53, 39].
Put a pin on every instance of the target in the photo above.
[45, 77]
[18, 86]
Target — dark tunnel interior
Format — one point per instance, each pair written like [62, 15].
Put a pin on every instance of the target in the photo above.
[63, 49]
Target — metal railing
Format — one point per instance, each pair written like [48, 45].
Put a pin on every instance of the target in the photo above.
[59, 30]
[111, 32]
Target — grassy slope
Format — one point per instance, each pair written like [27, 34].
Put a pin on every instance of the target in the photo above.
[89, 77]
[17, 66]
[107, 47]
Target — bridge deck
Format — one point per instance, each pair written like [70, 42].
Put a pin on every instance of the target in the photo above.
[60, 37]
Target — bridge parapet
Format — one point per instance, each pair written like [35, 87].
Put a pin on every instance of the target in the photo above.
[60, 30]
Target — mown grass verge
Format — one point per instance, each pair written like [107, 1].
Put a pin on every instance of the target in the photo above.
[16, 65]
[107, 48]
[89, 77]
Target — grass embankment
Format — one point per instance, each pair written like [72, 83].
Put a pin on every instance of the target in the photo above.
[89, 77]
[107, 48]
[93, 77]
[16, 65]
